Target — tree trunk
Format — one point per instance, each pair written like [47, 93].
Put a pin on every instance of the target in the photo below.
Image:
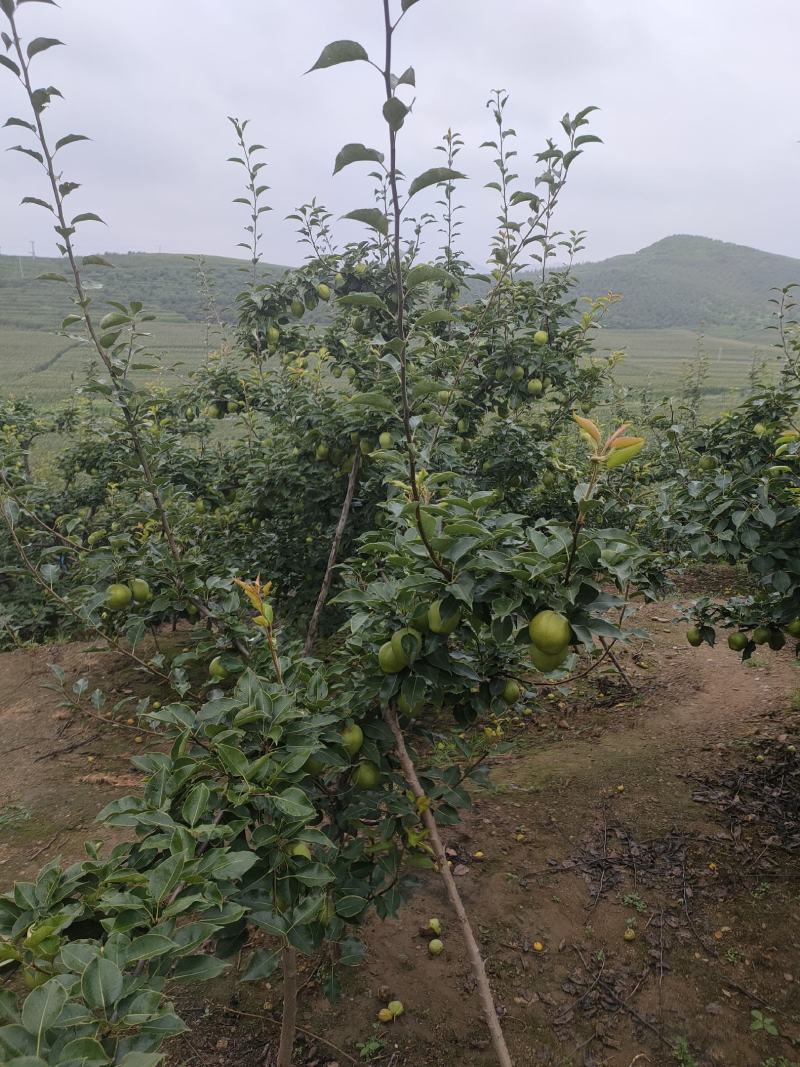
[484, 989]
[289, 1018]
[333, 555]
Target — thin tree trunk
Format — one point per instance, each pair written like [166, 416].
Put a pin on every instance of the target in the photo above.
[473, 949]
[333, 555]
[289, 1018]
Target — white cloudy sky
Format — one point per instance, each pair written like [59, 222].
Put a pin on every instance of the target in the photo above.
[699, 114]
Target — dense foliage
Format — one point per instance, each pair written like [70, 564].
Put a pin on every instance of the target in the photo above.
[409, 462]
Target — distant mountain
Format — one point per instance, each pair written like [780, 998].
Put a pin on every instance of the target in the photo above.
[691, 283]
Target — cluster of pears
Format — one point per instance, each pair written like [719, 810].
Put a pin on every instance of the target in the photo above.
[405, 645]
[550, 635]
[119, 595]
[366, 774]
[772, 636]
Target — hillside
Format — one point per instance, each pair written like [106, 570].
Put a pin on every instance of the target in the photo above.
[671, 290]
[690, 282]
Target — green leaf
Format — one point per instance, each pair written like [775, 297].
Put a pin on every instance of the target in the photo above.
[406, 4]
[356, 153]
[142, 1059]
[434, 176]
[101, 984]
[86, 216]
[86, 1051]
[234, 760]
[339, 52]
[199, 968]
[425, 273]
[370, 216]
[350, 906]
[96, 261]
[363, 300]
[262, 965]
[378, 401]
[112, 319]
[20, 122]
[10, 65]
[42, 1007]
[148, 946]
[431, 318]
[408, 77]
[41, 44]
[196, 804]
[395, 111]
[163, 878]
[70, 138]
[35, 200]
[294, 803]
[51, 277]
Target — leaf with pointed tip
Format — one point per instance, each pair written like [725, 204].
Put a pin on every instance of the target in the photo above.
[406, 4]
[356, 153]
[370, 216]
[434, 176]
[27, 151]
[426, 272]
[408, 77]
[87, 216]
[41, 44]
[35, 200]
[96, 261]
[431, 318]
[363, 300]
[339, 52]
[52, 278]
[10, 64]
[395, 111]
[20, 122]
[71, 138]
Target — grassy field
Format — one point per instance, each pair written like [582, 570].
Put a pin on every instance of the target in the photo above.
[36, 362]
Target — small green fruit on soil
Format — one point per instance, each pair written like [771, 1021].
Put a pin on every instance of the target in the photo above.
[442, 624]
[550, 631]
[352, 739]
[385, 1016]
[396, 1007]
[694, 637]
[118, 596]
[217, 669]
[366, 775]
[435, 947]
[435, 926]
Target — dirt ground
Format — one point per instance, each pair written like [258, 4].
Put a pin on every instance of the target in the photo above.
[672, 811]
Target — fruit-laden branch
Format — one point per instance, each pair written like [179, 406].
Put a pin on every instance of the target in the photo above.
[333, 555]
[473, 949]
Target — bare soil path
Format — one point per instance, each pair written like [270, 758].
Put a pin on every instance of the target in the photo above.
[649, 813]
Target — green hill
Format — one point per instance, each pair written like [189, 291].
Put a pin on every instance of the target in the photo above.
[672, 290]
[690, 283]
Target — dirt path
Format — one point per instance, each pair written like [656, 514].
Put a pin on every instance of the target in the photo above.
[590, 829]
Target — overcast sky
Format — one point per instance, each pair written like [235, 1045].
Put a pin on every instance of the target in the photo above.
[699, 114]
